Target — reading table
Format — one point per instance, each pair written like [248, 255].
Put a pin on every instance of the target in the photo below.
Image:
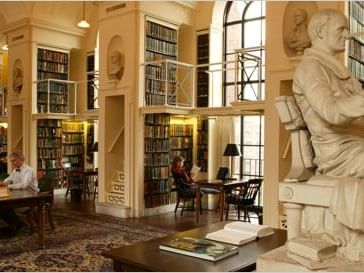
[146, 256]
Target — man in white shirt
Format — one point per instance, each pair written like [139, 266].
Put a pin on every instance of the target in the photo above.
[21, 178]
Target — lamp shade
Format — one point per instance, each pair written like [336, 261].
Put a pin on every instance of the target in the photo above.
[232, 150]
[95, 147]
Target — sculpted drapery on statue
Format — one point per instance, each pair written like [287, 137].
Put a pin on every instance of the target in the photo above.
[331, 101]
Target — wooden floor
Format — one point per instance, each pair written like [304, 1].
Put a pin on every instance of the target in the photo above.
[167, 220]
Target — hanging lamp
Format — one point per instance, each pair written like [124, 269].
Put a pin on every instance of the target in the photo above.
[83, 23]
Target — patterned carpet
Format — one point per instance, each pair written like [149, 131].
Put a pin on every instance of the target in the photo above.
[75, 245]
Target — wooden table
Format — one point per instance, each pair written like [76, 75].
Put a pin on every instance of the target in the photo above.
[146, 256]
[221, 185]
[28, 198]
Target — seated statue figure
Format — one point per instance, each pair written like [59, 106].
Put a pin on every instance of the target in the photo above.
[331, 101]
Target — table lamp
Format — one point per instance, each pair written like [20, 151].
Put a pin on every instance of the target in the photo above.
[231, 150]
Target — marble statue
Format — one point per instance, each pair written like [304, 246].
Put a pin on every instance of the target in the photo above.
[331, 101]
[298, 38]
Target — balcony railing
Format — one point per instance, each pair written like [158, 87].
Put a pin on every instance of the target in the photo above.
[55, 96]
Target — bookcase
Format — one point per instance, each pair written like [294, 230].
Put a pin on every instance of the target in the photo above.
[356, 44]
[3, 148]
[90, 132]
[156, 160]
[92, 91]
[73, 143]
[52, 64]
[202, 76]
[49, 147]
[202, 143]
[181, 143]
[160, 77]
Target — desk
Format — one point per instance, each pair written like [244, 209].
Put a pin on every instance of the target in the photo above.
[221, 185]
[27, 198]
[146, 256]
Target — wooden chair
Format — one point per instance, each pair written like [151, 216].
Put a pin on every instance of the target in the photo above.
[185, 193]
[45, 184]
[244, 198]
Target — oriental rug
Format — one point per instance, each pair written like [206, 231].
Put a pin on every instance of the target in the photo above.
[75, 245]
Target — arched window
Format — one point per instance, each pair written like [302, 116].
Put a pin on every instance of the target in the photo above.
[244, 28]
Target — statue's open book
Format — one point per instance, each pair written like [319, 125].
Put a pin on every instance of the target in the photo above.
[239, 233]
[200, 248]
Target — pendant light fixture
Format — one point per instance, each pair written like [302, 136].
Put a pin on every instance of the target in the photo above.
[83, 23]
[5, 46]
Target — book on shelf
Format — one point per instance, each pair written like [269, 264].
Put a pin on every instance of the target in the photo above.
[200, 248]
[239, 233]
[316, 250]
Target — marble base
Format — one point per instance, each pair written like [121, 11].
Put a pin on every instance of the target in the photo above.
[278, 261]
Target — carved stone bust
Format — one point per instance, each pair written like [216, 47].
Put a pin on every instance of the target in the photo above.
[116, 65]
[18, 77]
[298, 38]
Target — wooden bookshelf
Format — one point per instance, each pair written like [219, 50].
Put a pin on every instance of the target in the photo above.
[3, 149]
[356, 45]
[202, 76]
[160, 79]
[156, 160]
[52, 64]
[181, 143]
[202, 143]
[73, 143]
[49, 147]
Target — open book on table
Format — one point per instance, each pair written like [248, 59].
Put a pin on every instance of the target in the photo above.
[200, 248]
[239, 233]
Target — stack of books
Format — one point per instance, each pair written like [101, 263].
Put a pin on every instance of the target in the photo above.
[4, 191]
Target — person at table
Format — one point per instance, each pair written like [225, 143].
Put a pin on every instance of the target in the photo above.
[182, 179]
[21, 178]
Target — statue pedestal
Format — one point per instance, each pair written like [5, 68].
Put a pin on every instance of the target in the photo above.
[278, 261]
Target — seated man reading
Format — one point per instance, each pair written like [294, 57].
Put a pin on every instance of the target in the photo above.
[21, 178]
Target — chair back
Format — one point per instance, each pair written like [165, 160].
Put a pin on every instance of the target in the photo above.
[251, 190]
[46, 183]
[184, 190]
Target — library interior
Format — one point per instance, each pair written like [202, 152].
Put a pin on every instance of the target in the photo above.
[106, 96]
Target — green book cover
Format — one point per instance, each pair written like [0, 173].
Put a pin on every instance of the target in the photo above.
[200, 248]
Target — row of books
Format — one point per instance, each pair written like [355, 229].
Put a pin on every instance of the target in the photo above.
[49, 153]
[161, 72]
[186, 154]
[181, 129]
[155, 173]
[157, 119]
[156, 159]
[49, 142]
[52, 56]
[158, 86]
[162, 47]
[68, 150]
[356, 68]
[72, 138]
[49, 123]
[49, 132]
[52, 75]
[55, 108]
[152, 187]
[54, 87]
[155, 56]
[157, 200]
[49, 163]
[155, 131]
[159, 99]
[356, 50]
[73, 159]
[52, 67]
[53, 99]
[355, 26]
[161, 32]
[356, 11]
[73, 127]
[181, 143]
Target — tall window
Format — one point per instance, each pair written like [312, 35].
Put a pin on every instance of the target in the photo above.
[244, 38]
